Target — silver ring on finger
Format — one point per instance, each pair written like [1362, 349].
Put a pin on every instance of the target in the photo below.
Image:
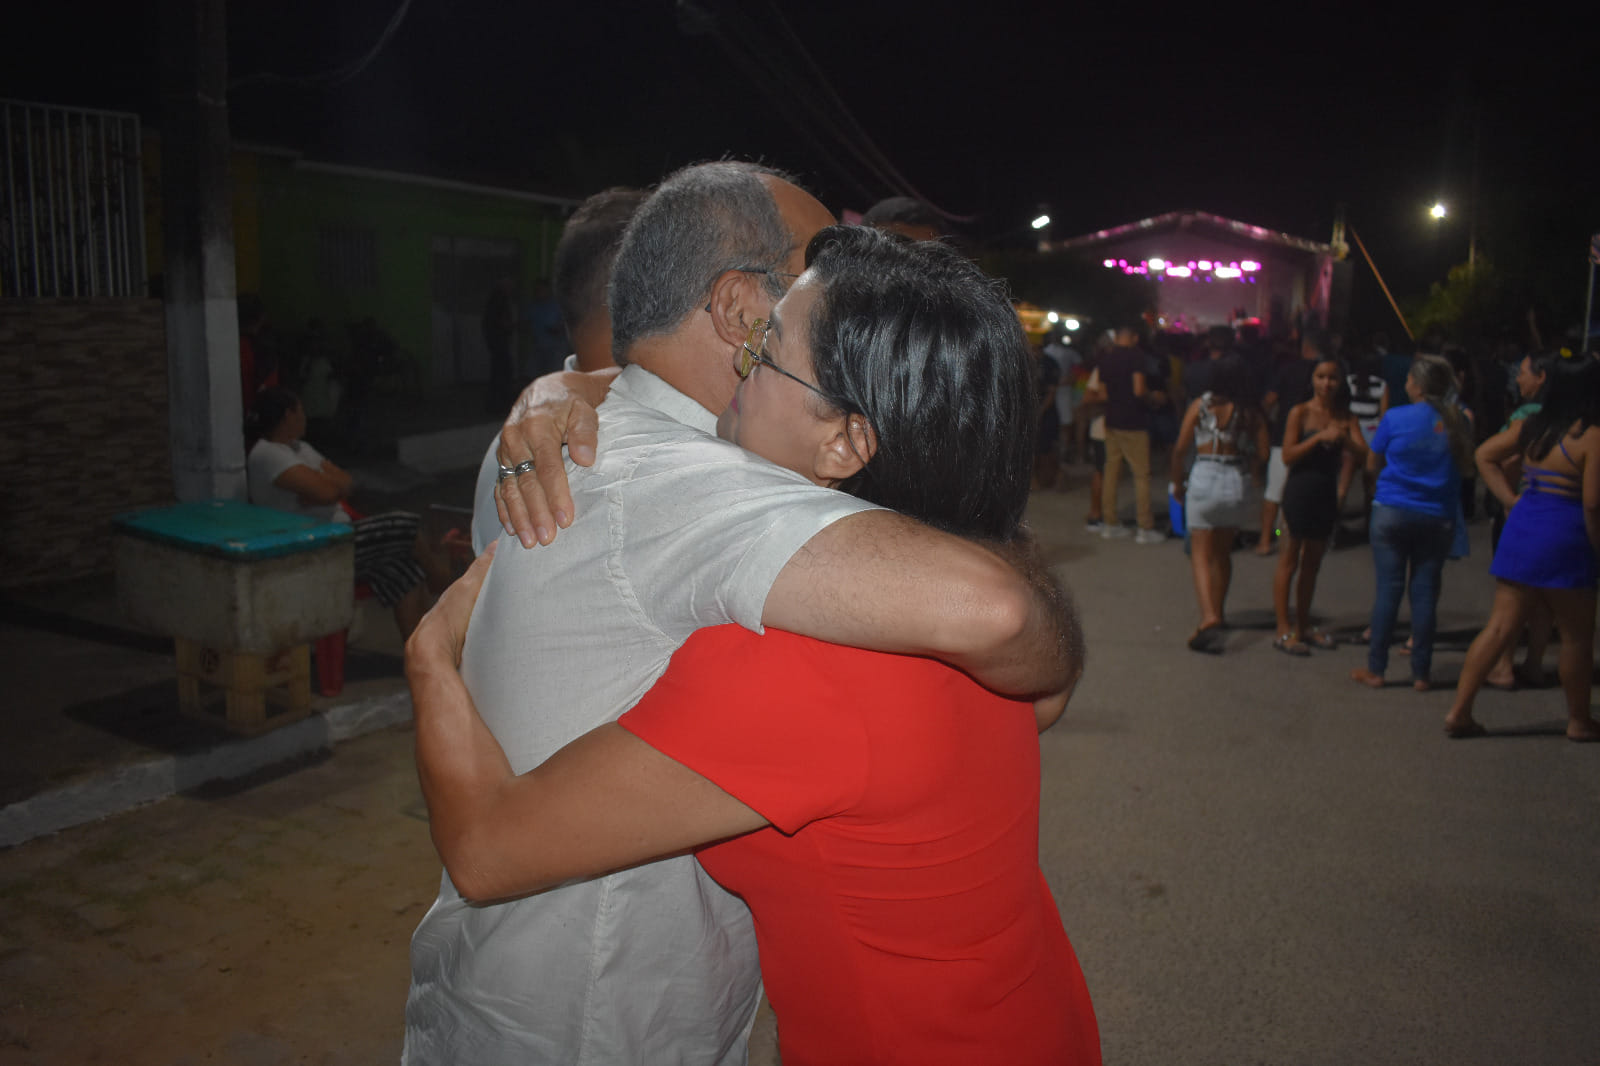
[524, 467]
[505, 472]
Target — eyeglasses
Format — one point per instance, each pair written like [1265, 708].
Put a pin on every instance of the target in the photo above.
[764, 270]
[755, 351]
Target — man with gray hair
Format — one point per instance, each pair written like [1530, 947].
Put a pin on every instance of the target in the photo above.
[673, 530]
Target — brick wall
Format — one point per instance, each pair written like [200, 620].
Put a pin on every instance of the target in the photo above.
[83, 430]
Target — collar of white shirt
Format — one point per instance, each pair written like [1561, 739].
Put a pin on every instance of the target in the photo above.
[642, 387]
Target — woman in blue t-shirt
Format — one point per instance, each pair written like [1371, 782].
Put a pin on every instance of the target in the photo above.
[1422, 449]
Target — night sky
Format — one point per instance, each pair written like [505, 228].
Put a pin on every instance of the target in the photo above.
[1272, 114]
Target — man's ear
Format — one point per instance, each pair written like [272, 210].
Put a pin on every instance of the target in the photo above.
[734, 306]
[843, 454]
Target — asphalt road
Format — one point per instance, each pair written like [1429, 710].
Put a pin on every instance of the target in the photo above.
[1257, 860]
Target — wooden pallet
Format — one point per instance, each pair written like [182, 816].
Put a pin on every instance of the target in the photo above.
[258, 692]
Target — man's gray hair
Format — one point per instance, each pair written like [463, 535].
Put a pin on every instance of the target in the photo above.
[701, 221]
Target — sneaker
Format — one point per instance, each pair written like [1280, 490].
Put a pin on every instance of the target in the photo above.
[1149, 536]
[1093, 524]
[1114, 531]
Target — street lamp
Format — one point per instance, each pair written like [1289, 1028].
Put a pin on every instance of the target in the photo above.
[1439, 211]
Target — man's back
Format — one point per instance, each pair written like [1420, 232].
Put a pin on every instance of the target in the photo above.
[1124, 409]
[674, 530]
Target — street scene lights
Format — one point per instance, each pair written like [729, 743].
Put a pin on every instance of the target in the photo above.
[1438, 210]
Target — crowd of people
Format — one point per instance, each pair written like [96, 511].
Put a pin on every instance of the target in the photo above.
[1277, 436]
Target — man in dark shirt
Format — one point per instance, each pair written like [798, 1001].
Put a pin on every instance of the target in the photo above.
[1125, 375]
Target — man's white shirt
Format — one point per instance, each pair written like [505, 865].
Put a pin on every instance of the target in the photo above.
[674, 530]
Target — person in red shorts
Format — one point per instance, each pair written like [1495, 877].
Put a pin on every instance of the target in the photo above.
[878, 813]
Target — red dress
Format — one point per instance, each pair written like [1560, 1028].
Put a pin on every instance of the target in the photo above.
[898, 902]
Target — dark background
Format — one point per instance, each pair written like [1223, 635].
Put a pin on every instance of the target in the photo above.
[1103, 114]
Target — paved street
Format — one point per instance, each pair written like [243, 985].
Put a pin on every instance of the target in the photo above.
[1257, 860]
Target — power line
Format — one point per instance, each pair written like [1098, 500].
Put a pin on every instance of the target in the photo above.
[810, 103]
[339, 75]
[895, 180]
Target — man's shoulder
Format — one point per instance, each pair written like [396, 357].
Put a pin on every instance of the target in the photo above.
[639, 443]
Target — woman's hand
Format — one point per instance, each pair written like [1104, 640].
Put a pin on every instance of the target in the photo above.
[439, 637]
[557, 409]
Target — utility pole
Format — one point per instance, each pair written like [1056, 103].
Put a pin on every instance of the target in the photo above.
[202, 317]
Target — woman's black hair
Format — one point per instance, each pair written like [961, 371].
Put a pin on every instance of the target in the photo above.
[1541, 363]
[1227, 377]
[1571, 398]
[1228, 382]
[268, 410]
[919, 341]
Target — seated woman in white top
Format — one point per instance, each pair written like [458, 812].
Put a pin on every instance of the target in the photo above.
[288, 474]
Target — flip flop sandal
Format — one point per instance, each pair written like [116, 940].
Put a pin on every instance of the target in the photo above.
[1287, 644]
[1318, 639]
[1208, 640]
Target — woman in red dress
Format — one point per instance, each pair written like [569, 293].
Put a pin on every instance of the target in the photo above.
[878, 813]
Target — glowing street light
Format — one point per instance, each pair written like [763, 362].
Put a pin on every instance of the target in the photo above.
[1072, 323]
[1438, 210]
[1041, 222]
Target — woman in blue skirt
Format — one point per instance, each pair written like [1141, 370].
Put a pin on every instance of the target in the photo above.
[1548, 551]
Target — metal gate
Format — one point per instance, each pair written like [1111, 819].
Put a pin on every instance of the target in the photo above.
[71, 205]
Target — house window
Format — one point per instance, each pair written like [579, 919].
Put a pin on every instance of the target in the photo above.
[347, 258]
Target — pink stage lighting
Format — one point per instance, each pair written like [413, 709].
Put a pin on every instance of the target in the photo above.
[1178, 272]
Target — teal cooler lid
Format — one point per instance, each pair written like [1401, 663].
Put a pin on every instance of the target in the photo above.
[231, 530]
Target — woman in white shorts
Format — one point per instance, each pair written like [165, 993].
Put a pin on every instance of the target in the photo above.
[1219, 493]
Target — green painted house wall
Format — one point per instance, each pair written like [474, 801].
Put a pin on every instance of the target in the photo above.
[299, 205]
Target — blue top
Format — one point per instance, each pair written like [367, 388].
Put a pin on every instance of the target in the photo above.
[231, 529]
[1419, 473]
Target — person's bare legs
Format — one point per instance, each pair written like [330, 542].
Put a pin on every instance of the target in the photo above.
[1347, 472]
[1505, 620]
[1306, 587]
[1503, 673]
[1096, 484]
[1202, 548]
[1573, 611]
[1540, 625]
[1269, 521]
[1222, 568]
[1282, 577]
